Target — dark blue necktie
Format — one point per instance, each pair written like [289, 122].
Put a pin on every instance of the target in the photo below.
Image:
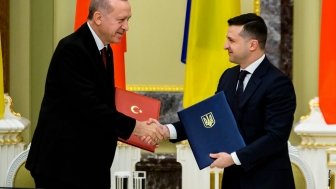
[240, 88]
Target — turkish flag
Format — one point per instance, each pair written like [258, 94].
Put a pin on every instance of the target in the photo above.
[327, 65]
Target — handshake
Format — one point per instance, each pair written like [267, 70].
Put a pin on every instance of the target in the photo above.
[151, 131]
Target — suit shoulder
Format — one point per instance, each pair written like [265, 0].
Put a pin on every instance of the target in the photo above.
[277, 80]
[229, 72]
[279, 74]
[81, 38]
[227, 76]
[71, 40]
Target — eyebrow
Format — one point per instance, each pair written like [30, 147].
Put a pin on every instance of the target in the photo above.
[230, 38]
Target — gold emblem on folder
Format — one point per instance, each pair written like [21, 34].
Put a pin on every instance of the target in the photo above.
[208, 120]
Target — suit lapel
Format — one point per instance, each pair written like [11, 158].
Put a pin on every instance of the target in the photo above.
[91, 46]
[89, 42]
[110, 66]
[229, 84]
[254, 81]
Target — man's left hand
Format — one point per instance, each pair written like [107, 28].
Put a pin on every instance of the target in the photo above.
[222, 160]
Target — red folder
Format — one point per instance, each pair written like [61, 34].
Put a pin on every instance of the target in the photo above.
[139, 107]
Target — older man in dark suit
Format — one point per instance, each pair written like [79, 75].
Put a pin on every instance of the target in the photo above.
[78, 127]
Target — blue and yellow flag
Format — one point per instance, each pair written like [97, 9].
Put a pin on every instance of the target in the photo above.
[185, 33]
[206, 57]
[2, 97]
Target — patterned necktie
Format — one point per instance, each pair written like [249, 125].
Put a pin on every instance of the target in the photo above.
[240, 88]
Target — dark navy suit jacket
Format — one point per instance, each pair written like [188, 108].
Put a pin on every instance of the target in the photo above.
[265, 118]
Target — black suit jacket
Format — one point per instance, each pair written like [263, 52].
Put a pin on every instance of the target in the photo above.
[264, 117]
[78, 126]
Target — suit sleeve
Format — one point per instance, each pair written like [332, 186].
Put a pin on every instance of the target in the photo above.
[181, 135]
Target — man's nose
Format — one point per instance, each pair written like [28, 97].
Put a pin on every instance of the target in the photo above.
[125, 25]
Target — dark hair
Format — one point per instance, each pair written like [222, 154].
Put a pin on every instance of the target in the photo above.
[253, 26]
[97, 4]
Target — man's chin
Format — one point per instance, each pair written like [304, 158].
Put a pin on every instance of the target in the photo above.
[116, 40]
[232, 61]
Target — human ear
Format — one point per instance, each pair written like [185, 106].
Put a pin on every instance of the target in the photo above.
[254, 44]
[97, 17]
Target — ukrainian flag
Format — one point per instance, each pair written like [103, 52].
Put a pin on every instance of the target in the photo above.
[2, 97]
[206, 57]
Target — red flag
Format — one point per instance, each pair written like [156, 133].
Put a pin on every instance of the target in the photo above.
[119, 63]
[82, 11]
[327, 69]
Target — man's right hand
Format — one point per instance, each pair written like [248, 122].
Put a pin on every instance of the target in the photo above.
[146, 129]
[163, 130]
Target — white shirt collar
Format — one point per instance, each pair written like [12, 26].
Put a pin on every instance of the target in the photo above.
[99, 43]
[252, 67]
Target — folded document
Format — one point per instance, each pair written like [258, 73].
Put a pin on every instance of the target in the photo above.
[139, 107]
[211, 128]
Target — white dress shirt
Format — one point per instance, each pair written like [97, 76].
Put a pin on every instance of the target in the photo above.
[99, 43]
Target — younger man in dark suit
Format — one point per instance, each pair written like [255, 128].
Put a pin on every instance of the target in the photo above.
[264, 111]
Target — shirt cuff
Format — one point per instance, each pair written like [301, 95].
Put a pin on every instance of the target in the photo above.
[172, 131]
[235, 158]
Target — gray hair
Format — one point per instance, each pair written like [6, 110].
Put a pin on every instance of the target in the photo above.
[98, 5]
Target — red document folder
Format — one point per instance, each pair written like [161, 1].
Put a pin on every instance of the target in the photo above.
[139, 107]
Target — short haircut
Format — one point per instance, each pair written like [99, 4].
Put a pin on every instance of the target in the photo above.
[101, 5]
[253, 26]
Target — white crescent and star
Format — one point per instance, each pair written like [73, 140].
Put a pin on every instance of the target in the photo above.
[136, 109]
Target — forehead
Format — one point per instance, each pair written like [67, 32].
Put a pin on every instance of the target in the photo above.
[117, 4]
[122, 8]
[234, 31]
